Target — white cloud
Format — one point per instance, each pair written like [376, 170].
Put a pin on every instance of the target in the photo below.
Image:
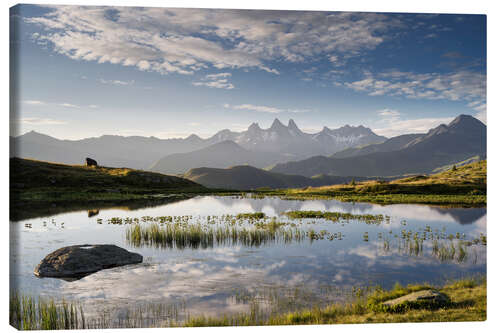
[391, 124]
[117, 82]
[463, 86]
[93, 106]
[33, 102]
[68, 105]
[389, 113]
[261, 108]
[183, 41]
[395, 126]
[219, 81]
[39, 121]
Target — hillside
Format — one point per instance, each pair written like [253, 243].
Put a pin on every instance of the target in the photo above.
[31, 174]
[392, 144]
[219, 155]
[463, 186]
[463, 138]
[42, 189]
[247, 177]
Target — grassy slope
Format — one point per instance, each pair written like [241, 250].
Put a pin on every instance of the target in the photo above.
[468, 303]
[35, 183]
[464, 186]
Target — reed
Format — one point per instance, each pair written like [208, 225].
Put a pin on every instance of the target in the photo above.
[337, 216]
[195, 236]
[28, 313]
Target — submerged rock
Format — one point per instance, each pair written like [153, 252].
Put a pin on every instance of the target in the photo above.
[78, 261]
[423, 297]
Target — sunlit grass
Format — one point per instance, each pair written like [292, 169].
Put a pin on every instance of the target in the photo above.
[468, 303]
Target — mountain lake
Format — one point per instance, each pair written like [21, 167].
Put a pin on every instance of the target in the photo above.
[302, 262]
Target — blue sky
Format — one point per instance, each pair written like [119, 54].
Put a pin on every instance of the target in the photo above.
[88, 71]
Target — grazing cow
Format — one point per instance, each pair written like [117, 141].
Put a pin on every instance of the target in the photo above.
[90, 162]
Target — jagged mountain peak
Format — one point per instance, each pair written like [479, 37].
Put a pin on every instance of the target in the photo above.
[254, 127]
[277, 124]
[292, 125]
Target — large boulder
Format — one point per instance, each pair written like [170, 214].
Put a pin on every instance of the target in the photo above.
[78, 261]
[424, 298]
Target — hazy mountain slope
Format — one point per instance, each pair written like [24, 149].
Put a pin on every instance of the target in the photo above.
[109, 150]
[219, 155]
[247, 177]
[142, 152]
[392, 144]
[463, 138]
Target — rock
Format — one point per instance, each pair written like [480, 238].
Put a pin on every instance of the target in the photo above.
[424, 297]
[78, 261]
[90, 162]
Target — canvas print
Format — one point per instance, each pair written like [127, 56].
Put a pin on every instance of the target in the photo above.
[225, 167]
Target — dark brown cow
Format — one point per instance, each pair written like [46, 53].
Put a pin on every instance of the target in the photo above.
[90, 162]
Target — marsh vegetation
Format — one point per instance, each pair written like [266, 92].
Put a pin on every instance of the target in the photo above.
[256, 265]
[362, 305]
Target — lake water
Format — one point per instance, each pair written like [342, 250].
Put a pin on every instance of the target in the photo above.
[228, 279]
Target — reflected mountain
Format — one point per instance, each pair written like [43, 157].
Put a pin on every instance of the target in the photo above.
[463, 215]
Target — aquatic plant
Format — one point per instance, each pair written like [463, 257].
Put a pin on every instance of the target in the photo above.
[336, 216]
[195, 236]
[28, 313]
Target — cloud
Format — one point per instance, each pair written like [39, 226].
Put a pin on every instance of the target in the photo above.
[39, 121]
[391, 123]
[219, 81]
[261, 108]
[183, 41]
[68, 105]
[117, 82]
[33, 102]
[466, 86]
[394, 126]
[93, 106]
[389, 113]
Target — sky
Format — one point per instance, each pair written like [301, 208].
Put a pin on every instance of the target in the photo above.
[87, 71]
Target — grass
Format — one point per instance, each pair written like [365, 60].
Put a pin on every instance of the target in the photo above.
[45, 313]
[468, 303]
[336, 216]
[28, 313]
[37, 186]
[463, 186]
[196, 236]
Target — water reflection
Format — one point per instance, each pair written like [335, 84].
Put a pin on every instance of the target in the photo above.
[212, 281]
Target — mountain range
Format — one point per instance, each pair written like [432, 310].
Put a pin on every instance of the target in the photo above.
[461, 139]
[290, 157]
[279, 143]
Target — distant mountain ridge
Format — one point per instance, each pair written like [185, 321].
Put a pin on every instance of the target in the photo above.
[244, 177]
[219, 155]
[461, 139]
[142, 152]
